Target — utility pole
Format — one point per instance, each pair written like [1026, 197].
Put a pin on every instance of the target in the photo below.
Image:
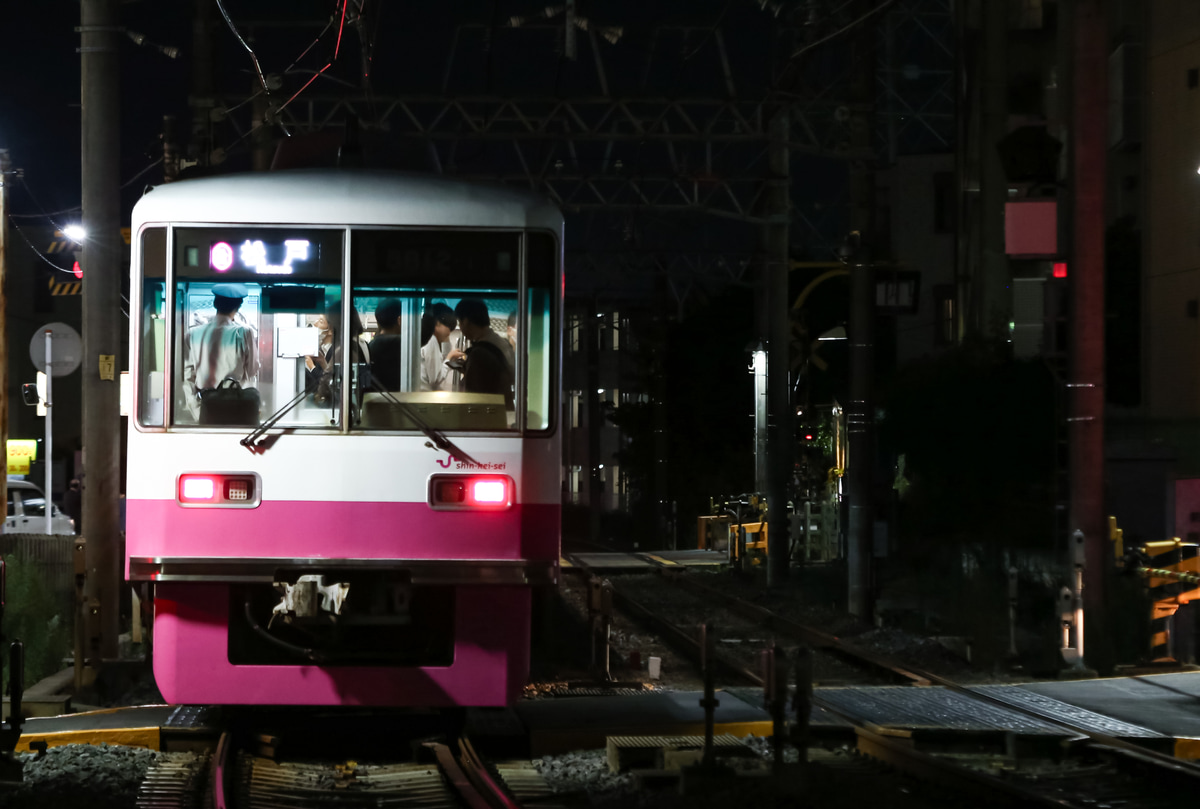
[860, 422]
[1085, 428]
[780, 439]
[990, 306]
[170, 150]
[200, 99]
[860, 412]
[102, 326]
[595, 419]
[5, 173]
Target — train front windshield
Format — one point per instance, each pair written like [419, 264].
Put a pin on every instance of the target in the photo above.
[446, 328]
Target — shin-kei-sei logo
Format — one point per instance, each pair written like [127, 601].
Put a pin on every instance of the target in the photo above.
[445, 464]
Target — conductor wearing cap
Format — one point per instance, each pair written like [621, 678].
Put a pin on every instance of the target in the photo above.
[220, 349]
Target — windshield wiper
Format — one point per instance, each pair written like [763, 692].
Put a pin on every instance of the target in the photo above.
[436, 439]
[251, 441]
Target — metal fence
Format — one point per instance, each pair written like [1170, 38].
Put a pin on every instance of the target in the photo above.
[53, 556]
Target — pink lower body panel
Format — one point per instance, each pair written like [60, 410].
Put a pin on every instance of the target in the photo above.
[323, 530]
[191, 663]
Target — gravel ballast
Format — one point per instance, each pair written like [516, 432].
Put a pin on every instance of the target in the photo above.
[100, 776]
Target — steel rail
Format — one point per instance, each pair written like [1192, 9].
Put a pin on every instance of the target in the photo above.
[674, 633]
[220, 762]
[678, 636]
[814, 637]
[459, 780]
[924, 765]
[476, 770]
[1163, 760]
[902, 756]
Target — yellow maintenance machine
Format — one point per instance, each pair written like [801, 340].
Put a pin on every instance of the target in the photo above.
[1172, 571]
[738, 525]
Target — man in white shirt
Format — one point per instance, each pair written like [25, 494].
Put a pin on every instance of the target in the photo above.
[439, 320]
[220, 349]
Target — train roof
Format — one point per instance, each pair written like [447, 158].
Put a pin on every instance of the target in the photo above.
[345, 196]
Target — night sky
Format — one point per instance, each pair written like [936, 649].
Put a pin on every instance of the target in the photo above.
[406, 44]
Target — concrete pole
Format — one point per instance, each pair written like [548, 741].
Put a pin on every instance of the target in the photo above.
[860, 412]
[860, 418]
[1085, 429]
[780, 435]
[991, 301]
[200, 99]
[170, 150]
[49, 493]
[102, 323]
[595, 421]
[6, 172]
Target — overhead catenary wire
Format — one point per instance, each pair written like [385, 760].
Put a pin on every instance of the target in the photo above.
[336, 50]
[36, 202]
[131, 180]
[253, 57]
[843, 29]
[37, 252]
[76, 209]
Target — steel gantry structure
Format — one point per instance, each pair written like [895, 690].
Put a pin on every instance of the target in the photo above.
[695, 152]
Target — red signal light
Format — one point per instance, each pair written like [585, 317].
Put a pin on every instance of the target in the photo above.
[1060, 269]
[76, 270]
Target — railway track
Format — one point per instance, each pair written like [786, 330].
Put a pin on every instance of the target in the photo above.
[447, 775]
[1103, 771]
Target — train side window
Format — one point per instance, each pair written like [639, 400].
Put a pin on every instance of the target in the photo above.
[541, 348]
[152, 355]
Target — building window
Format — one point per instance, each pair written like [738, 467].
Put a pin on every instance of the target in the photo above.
[574, 481]
[573, 404]
[573, 334]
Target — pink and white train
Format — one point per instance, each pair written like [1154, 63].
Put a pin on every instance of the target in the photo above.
[379, 544]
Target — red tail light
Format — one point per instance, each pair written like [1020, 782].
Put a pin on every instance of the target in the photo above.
[239, 489]
[196, 488]
[471, 492]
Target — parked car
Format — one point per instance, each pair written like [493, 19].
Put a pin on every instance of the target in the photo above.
[27, 511]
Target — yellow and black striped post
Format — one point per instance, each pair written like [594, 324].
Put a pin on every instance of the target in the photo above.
[1170, 586]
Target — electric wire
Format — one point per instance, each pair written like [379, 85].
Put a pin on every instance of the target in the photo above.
[253, 57]
[37, 252]
[318, 38]
[246, 100]
[318, 74]
[843, 29]
[76, 209]
[131, 180]
[336, 49]
[33, 197]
